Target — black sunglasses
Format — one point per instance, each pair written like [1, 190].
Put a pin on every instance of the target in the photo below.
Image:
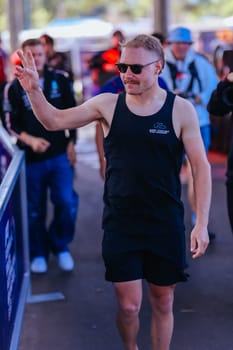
[135, 68]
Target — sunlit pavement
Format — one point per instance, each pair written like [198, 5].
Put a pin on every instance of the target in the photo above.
[85, 319]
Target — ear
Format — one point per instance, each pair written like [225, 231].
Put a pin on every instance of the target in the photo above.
[158, 67]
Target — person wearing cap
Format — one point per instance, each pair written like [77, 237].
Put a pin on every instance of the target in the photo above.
[191, 76]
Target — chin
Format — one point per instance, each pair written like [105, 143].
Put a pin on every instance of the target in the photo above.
[134, 93]
[131, 89]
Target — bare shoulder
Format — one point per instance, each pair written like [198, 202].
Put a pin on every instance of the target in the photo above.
[104, 104]
[184, 116]
[184, 111]
[106, 98]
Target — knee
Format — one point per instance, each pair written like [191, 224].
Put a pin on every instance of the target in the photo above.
[68, 200]
[165, 304]
[162, 303]
[130, 310]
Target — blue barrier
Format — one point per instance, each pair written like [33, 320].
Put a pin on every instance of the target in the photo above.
[15, 287]
[14, 266]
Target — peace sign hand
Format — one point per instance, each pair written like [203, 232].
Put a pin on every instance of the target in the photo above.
[27, 74]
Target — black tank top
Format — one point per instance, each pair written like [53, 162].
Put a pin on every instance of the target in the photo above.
[142, 194]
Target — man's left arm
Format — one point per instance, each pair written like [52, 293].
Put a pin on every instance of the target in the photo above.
[201, 173]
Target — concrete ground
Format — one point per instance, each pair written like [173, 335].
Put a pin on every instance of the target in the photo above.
[85, 318]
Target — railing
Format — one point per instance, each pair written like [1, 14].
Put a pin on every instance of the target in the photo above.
[15, 289]
[14, 266]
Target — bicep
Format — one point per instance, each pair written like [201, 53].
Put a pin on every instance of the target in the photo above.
[100, 107]
[196, 155]
[191, 135]
[79, 116]
[194, 148]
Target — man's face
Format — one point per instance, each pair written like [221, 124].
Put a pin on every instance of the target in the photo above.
[180, 50]
[48, 48]
[38, 55]
[116, 40]
[139, 83]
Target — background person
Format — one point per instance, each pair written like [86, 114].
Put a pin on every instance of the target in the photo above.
[4, 66]
[221, 104]
[4, 75]
[102, 65]
[146, 130]
[192, 76]
[50, 157]
[161, 37]
[224, 42]
[56, 59]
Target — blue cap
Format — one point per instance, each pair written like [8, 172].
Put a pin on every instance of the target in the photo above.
[180, 35]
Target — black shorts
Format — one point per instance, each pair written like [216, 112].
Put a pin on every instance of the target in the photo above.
[141, 264]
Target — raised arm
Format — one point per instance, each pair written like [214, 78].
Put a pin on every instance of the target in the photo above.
[100, 106]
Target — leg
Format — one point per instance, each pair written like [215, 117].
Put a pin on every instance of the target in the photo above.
[129, 297]
[65, 201]
[161, 299]
[37, 202]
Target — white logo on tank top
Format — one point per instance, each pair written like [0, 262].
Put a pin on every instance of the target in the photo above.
[159, 128]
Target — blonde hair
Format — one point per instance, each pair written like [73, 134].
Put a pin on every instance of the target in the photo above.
[147, 42]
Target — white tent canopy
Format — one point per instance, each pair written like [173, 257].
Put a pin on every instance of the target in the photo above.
[71, 28]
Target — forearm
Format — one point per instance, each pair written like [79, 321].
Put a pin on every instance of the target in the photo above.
[202, 188]
[44, 110]
[25, 138]
[99, 137]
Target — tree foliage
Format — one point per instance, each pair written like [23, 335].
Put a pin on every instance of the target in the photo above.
[42, 11]
[186, 11]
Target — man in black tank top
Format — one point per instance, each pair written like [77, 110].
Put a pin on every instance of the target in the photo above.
[146, 133]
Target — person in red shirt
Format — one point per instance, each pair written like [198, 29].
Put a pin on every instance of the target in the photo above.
[103, 64]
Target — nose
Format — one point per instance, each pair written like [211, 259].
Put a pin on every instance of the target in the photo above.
[128, 70]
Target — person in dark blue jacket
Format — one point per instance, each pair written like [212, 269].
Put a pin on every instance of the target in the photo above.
[50, 158]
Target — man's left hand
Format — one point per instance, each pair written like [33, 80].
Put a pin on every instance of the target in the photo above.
[199, 241]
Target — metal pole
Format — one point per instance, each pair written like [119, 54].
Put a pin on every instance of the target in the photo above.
[15, 20]
[26, 14]
[161, 16]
